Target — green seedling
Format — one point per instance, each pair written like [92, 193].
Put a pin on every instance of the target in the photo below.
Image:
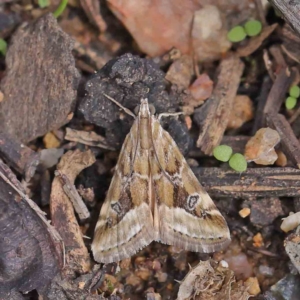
[253, 27]
[290, 102]
[294, 91]
[222, 153]
[238, 162]
[236, 34]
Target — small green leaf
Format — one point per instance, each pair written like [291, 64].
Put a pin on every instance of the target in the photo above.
[236, 34]
[43, 3]
[3, 47]
[290, 102]
[294, 91]
[253, 27]
[222, 152]
[238, 162]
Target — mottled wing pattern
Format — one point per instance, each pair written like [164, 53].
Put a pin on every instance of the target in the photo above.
[188, 218]
[125, 223]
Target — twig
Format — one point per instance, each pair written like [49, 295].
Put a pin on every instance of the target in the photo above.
[255, 182]
[278, 91]
[289, 142]
[220, 104]
[73, 195]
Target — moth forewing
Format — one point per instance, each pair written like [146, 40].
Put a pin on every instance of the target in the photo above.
[154, 195]
[188, 217]
[125, 222]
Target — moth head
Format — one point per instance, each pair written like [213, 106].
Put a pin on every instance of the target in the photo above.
[144, 108]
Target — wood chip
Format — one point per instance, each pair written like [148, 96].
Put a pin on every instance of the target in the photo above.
[219, 106]
[40, 86]
[62, 212]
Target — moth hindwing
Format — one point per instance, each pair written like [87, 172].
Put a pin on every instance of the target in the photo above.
[155, 196]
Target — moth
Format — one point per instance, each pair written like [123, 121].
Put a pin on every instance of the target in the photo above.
[155, 196]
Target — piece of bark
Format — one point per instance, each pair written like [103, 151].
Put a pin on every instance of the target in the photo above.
[18, 156]
[289, 142]
[255, 42]
[40, 86]
[277, 92]
[28, 257]
[220, 104]
[290, 12]
[62, 212]
[255, 182]
[90, 138]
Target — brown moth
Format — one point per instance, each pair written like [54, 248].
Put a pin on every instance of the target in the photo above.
[155, 196]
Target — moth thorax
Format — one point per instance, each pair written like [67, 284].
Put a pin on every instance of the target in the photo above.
[145, 132]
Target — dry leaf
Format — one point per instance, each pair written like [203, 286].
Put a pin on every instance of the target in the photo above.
[160, 25]
[260, 148]
[211, 281]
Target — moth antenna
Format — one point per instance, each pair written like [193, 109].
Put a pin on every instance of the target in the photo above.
[129, 112]
[170, 115]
